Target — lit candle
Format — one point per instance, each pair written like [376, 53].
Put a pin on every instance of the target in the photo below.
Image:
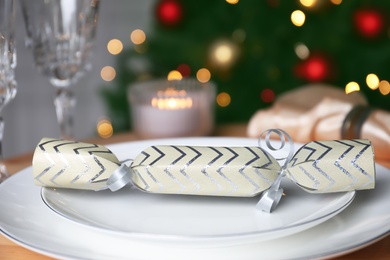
[172, 108]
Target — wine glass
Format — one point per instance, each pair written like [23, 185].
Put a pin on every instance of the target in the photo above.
[7, 67]
[61, 34]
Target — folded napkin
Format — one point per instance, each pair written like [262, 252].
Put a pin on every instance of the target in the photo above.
[321, 112]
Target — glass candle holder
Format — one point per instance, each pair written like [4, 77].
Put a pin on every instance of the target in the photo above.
[177, 108]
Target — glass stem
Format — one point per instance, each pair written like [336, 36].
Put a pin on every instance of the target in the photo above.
[3, 169]
[65, 103]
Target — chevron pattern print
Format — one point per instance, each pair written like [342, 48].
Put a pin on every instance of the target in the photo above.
[70, 164]
[333, 166]
[217, 171]
[318, 167]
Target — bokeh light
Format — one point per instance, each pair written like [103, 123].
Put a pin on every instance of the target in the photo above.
[267, 95]
[107, 73]
[352, 87]
[239, 35]
[298, 18]
[137, 36]
[184, 70]
[336, 2]
[308, 3]
[384, 87]
[114, 46]
[223, 53]
[203, 75]
[174, 75]
[233, 2]
[372, 81]
[223, 99]
[104, 128]
[302, 51]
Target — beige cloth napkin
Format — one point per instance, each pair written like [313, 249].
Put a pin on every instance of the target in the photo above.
[317, 112]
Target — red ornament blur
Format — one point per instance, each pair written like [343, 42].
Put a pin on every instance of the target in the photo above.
[184, 70]
[369, 22]
[267, 95]
[314, 69]
[169, 12]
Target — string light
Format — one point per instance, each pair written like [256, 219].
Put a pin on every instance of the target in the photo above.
[352, 87]
[302, 51]
[223, 99]
[224, 53]
[308, 3]
[384, 87]
[372, 81]
[232, 2]
[174, 75]
[336, 2]
[298, 18]
[114, 46]
[104, 128]
[138, 36]
[107, 73]
[203, 75]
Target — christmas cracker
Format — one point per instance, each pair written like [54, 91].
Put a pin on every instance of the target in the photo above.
[317, 167]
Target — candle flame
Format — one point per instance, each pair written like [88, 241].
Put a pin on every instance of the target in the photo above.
[172, 103]
[171, 99]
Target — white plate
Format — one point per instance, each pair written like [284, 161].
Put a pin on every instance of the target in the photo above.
[26, 220]
[189, 219]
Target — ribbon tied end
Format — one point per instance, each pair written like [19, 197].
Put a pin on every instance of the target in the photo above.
[269, 200]
[120, 178]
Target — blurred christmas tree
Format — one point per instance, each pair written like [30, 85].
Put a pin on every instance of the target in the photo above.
[255, 50]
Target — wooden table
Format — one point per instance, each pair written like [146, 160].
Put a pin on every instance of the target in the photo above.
[9, 250]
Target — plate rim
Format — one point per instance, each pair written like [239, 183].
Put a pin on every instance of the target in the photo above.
[340, 249]
[295, 227]
[349, 197]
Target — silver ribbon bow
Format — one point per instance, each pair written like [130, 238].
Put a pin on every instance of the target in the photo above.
[271, 197]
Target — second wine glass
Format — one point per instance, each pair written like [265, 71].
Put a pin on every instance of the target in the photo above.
[61, 34]
[7, 67]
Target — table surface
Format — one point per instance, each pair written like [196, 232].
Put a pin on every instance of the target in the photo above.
[10, 250]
